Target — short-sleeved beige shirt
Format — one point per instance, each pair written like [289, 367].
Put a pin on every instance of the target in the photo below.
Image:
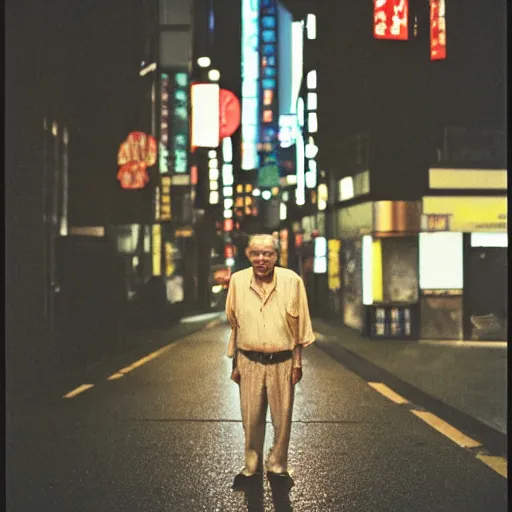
[279, 321]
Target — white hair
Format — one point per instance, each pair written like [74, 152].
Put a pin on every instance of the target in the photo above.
[273, 239]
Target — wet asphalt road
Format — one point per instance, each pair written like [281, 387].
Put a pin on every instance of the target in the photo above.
[168, 437]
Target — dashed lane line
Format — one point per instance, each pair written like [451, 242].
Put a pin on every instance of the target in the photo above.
[78, 390]
[497, 464]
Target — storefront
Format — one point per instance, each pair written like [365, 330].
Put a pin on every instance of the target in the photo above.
[463, 268]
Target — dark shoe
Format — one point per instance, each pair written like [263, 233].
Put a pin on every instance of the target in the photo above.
[272, 474]
[242, 482]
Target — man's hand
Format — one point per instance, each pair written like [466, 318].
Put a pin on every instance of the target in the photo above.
[296, 375]
[235, 375]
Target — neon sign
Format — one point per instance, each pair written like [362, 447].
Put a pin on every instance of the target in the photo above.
[250, 81]
[390, 19]
[163, 164]
[437, 30]
[135, 154]
[179, 125]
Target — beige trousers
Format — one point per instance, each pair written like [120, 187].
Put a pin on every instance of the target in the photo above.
[262, 385]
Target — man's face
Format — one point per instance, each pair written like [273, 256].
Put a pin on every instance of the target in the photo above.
[262, 255]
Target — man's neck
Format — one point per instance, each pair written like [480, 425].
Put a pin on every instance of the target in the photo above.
[266, 279]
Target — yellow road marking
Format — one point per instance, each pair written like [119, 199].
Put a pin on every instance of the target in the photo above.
[451, 432]
[115, 376]
[123, 371]
[78, 390]
[498, 464]
[388, 392]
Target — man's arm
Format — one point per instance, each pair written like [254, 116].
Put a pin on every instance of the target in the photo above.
[305, 330]
[230, 315]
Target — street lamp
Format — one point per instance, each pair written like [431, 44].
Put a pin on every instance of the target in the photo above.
[204, 62]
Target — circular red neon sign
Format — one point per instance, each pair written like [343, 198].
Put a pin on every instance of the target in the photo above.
[229, 109]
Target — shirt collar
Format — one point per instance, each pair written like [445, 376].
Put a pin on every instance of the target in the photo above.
[273, 283]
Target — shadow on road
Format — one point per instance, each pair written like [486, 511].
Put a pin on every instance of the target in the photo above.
[254, 492]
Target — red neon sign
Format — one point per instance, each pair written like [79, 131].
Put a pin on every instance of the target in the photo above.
[229, 111]
[437, 30]
[135, 155]
[390, 19]
[228, 225]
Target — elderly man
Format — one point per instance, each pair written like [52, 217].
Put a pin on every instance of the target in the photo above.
[268, 311]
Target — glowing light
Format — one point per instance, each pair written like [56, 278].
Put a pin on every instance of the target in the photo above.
[227, 191]
[300, 194]
[213, 174]
[312, 122]
[441, 261]
[230, 262]
[311, 177]
[266, 194]
[213, 163]
[214, 197]
[214, 75]
[346, 189]
[227, 150]
[311, 80]
[297, 62]
[300, 112]
[148, 69]
[212, 153]
[205, 115]
[367, 255]
[312, 101]
[228, 214]
[283, 211]
[311, 26]
[214, 185]
[489, 239]
[228, 203]
[250, 83]
[311, 150]
[256, 192]
[204, 62]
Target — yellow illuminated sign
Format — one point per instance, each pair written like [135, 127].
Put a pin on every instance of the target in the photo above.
[169, 260]
[157, 249]
[184, 233]
[333, 268]
[165, 199]
[483, 179]
[469, 214]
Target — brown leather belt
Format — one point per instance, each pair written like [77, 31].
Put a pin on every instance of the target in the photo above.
[267, 357]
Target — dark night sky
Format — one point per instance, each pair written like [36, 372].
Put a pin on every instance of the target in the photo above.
[81, 66]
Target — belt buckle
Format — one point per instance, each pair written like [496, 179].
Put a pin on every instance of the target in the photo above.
[266, 357]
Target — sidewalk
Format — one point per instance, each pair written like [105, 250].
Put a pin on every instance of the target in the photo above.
[470, 378]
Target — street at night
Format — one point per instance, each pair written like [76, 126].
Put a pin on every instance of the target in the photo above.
[256, 256]
[168, 436]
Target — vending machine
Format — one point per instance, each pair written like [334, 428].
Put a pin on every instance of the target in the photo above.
[393, 321]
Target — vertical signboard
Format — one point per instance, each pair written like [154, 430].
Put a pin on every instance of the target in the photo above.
[437, 30]
[179, 124]
[163, 163]
[390, 19]
[269, 120]
[205, 115]
[250, 83]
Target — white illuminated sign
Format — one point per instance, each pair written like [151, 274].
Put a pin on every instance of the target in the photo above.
[214, 197]
[300, 194]
[283, 211]
[346, 188]
[320, 252]
[489, 239]
[367, 263]
[312, 122]
[300, 112]
[205, 115]
[287, 130]
[250, 83]
[311, 26]
[441, 261]
[297, 62]
[266, 194]
[312, 101]
[227, 150]
[311, 80]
